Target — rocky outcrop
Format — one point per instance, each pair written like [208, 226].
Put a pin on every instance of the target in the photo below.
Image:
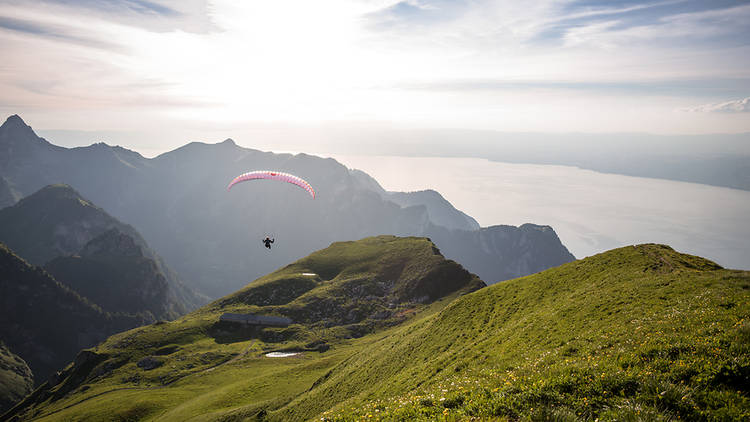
[150, 362]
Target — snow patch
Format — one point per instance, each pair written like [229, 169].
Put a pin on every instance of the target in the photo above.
[281, 354]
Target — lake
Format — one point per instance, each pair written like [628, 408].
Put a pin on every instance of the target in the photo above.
[591, 212]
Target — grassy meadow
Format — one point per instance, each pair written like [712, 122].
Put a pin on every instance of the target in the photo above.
[636, 333]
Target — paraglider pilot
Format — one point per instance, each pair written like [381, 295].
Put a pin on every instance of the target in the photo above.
[268, 242]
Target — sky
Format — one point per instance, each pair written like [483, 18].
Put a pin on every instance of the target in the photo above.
[155, 74]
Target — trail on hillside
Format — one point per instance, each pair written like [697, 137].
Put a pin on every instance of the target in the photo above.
[241, 355]
[234, 359]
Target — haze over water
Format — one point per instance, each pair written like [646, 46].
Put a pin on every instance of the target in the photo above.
[591, 212]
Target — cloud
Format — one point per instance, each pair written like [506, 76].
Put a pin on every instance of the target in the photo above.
[658, 87]
[410, 61]
[719, 26]
[735, 106]
[414, 12]
[158, 16]
[56, 32]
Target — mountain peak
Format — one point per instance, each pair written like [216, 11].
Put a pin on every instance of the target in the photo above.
[56, 220]
[378, 270]
[229, 142]
[14, 119]
[14, 125]
[58, 191]
[664, 259]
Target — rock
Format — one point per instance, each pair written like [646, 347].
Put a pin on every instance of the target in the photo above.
[87, 356]
[54, 379]
[150, 362]
[381, 315]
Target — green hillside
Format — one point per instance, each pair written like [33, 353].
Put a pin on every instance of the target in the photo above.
[637, 333]
[16, 380]
[198, 365]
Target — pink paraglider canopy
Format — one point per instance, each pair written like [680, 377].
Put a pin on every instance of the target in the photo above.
[273, 175]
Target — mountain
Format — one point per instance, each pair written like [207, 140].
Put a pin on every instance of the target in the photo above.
[46, 323]
[180, 204]
[8, 196]
[57, 221]
[502, 252]
[344, 292]
[636, 333]
[112, 271]
[16, 380]
[439, 210]
[356, 285]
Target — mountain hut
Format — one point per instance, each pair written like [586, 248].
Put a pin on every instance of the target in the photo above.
[252, 319]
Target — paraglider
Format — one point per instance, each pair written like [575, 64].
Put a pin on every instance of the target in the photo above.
[272, 175]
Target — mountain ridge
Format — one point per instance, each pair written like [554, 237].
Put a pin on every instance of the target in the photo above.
[179, 203]
[357, 288]
[57, 221]
[112, 271]
[46, 322]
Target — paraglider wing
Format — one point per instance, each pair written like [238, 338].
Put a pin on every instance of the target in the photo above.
[273, 175]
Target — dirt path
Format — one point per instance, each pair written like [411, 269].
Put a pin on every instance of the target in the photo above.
[234, 359]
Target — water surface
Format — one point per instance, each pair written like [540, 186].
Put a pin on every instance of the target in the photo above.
[590, 211]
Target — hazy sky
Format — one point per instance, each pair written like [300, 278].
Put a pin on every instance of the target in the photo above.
[169, 71]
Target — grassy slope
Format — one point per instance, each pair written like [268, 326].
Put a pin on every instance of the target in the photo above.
[209, 369]
[637, 333]
[16, 380]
